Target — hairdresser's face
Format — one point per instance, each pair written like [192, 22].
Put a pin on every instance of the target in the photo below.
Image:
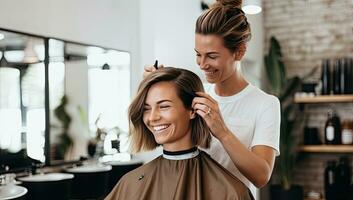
[214, 58]
[167, 118]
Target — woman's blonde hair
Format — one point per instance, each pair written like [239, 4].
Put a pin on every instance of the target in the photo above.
[225, 19]
[186, 83]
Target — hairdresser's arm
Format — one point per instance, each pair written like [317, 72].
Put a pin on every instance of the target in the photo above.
[255, 164]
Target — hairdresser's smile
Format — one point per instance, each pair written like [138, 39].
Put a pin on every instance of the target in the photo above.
[214, 59]
[166, 117]
[210, 72]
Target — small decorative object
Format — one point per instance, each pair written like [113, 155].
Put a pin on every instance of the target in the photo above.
[106, 141]
[141, 177]
[96, 143]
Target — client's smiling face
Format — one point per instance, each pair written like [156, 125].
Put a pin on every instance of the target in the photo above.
[167, 118]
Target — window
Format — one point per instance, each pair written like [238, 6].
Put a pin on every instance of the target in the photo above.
[33, 101]
[10, 109]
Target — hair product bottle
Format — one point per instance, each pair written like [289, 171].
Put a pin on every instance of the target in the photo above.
[337, 77]
[332, 129]
[325, 77]
[348, 72]
[343, 179]
[330, 186]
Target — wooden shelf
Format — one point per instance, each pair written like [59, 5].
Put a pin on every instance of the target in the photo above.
[326, 148]
[324, 99]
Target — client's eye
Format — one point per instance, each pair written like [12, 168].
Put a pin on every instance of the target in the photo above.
[164, 106]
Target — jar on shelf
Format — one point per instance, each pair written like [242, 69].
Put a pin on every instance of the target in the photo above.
[347, 132]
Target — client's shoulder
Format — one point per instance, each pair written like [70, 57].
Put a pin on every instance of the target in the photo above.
[140, 172]
[221, 178]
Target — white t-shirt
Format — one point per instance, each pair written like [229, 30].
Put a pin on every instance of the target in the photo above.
[254, 117]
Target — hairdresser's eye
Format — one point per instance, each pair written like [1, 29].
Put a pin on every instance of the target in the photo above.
[145, 109]
[212, 57]
[198, 55]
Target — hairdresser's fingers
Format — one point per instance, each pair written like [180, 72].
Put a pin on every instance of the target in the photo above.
[150, 68]
[201, 113]
[204, 101]
[147, 70]
[207, 96]
[160, 66]
[201, 107]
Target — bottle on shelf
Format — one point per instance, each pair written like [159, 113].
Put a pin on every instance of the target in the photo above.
[329, 177]
[343, 179]
[348, 71]
[325, 77]
[342, 75]
[332, 129]
[336, 77]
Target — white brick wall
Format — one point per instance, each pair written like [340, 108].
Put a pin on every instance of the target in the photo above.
[309, 31]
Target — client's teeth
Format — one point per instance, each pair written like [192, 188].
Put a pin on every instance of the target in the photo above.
[158, 128]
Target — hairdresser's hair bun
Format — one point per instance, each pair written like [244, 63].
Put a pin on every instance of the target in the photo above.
[230, 3]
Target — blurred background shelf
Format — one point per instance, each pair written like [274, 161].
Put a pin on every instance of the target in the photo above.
[326, 148]
[324, 99]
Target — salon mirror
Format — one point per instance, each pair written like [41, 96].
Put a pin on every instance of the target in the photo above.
[96, 93]
[22, 109]
[77, 108]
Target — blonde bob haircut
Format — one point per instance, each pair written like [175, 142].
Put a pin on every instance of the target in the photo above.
[186, 83]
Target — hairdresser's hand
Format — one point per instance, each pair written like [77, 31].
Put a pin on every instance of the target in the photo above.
[208, 109]
[150, 68]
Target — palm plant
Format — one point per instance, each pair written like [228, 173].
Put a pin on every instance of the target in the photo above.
[284, 88]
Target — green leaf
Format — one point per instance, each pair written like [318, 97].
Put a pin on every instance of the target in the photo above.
[275, 68]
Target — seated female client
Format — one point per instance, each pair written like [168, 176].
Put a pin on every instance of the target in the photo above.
[161, 114]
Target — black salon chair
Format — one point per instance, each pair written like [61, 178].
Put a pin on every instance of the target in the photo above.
[53, 186]
[90, 182]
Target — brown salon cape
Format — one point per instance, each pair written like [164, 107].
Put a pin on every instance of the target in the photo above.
[196, 178]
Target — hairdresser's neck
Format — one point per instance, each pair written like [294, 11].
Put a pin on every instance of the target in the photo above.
[232, 85]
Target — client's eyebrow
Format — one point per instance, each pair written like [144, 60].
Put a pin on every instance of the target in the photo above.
[162, 101]
[159, 102]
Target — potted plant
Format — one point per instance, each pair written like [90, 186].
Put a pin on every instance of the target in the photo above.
[284, 88]
[64, 140]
